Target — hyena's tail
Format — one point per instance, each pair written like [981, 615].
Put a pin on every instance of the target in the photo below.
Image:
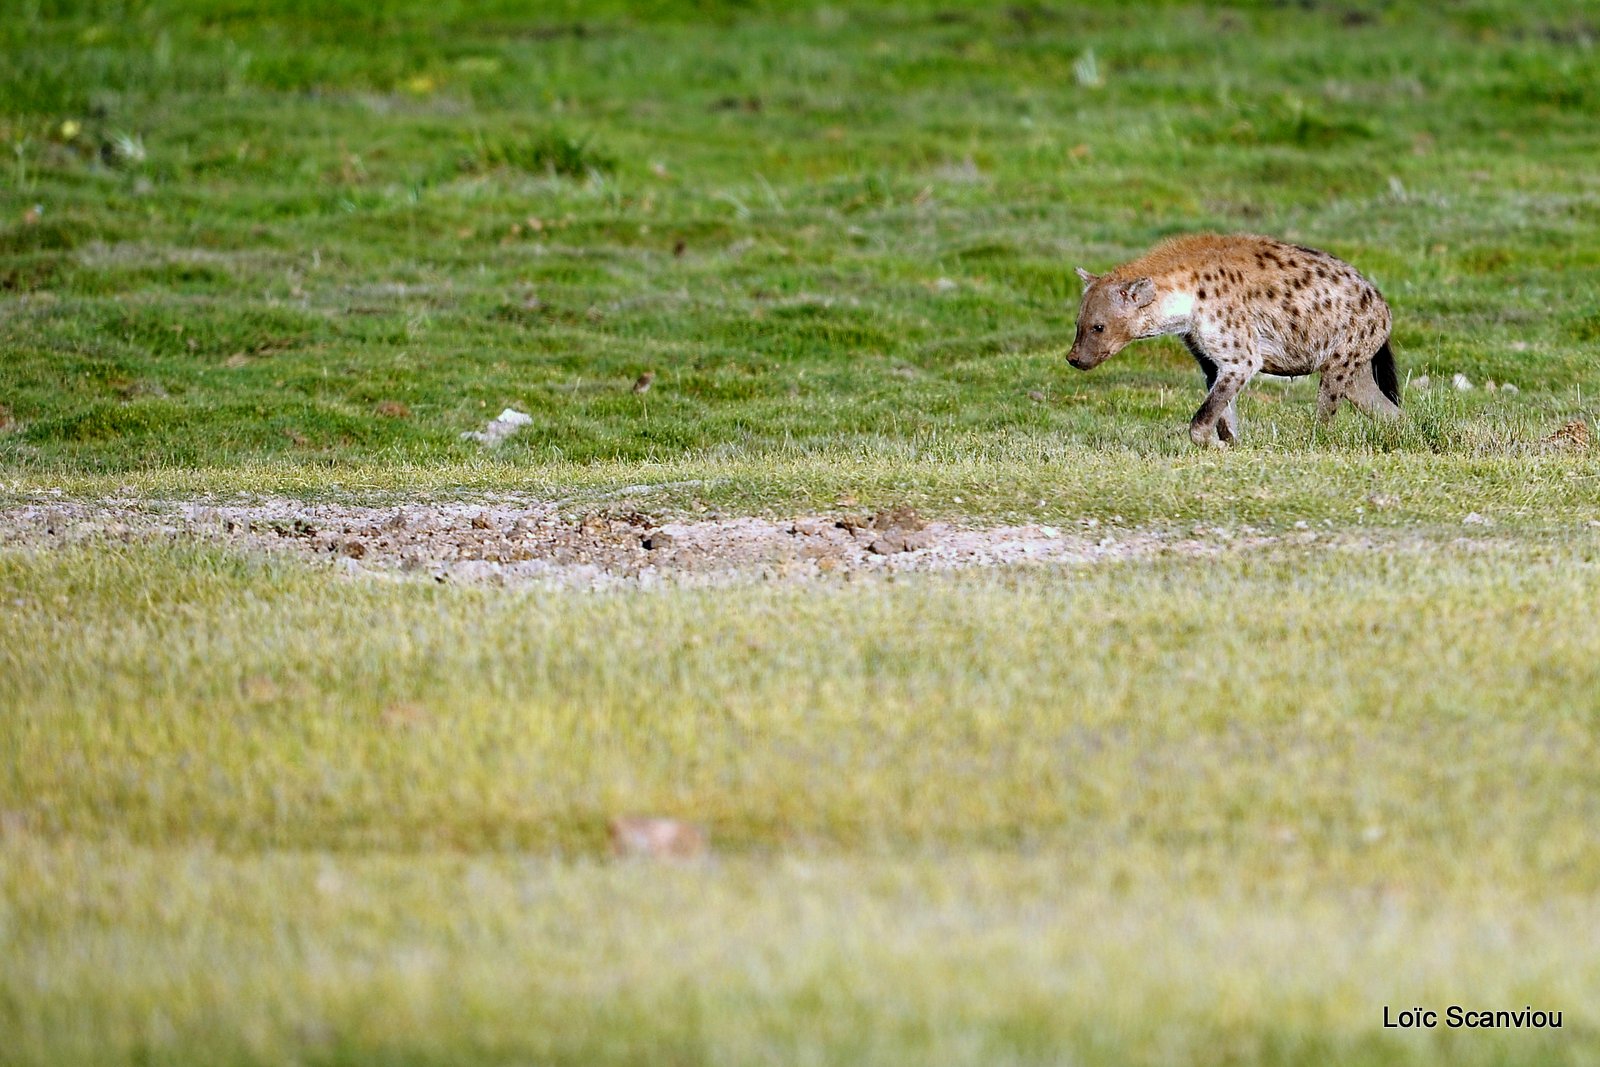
[1383, 372]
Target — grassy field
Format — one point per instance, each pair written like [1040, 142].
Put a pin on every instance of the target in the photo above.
[1103, 815]
[1171, 810]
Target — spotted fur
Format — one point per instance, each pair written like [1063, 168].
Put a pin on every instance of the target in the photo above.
[1244, 304]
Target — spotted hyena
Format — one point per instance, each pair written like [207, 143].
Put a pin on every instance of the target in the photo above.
[1244, 304]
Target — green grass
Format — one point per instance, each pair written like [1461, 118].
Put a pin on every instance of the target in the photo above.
[1088, 815]
[1171, 811]
[823, 229]
[1544, 488]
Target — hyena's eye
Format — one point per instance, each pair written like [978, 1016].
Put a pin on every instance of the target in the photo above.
[1099, 327]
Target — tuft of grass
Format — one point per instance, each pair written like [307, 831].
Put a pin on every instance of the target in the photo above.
[550, 152]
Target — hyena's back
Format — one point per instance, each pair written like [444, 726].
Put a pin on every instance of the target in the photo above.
[1307, 309]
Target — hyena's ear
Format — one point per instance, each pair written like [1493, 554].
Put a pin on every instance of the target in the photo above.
[1088, 279]
[1137, 293]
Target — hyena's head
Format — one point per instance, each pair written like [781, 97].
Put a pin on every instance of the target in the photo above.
[1113, 313]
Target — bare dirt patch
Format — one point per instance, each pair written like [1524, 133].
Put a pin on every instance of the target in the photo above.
[517, 541]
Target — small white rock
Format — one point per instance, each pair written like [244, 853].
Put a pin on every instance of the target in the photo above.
[1422, 381]
[1509, 388]
[500, 427]
[1050, 532]
[513, 417]
[1474, 519]
[1461, 382]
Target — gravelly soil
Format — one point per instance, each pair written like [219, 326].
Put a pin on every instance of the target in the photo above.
[516, 541]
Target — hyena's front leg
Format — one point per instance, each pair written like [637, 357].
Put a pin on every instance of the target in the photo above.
[1228, 424]
[1217, 421]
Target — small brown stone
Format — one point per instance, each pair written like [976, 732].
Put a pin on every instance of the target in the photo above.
[260, 689]
[653, 837]
[888, 543]
[1575, 434]
[897, 518]
[403, 715]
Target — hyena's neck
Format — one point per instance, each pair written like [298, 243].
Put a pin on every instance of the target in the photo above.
[1173, 312]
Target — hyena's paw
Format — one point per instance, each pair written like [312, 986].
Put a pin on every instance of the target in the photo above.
[1206, 437]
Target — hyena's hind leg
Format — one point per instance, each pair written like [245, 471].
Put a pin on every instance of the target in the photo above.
[1375, 390]
[1330, 391]
[1370, 384]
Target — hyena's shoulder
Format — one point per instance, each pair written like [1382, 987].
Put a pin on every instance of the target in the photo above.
[1209, 270]
[1224, 264]
[1177, 257]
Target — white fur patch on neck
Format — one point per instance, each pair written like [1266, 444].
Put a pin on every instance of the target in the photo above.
[1176, 305]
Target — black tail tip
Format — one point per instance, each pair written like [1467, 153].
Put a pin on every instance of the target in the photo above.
[1384, 373]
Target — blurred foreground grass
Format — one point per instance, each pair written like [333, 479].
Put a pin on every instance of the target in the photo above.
[1178, 811]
